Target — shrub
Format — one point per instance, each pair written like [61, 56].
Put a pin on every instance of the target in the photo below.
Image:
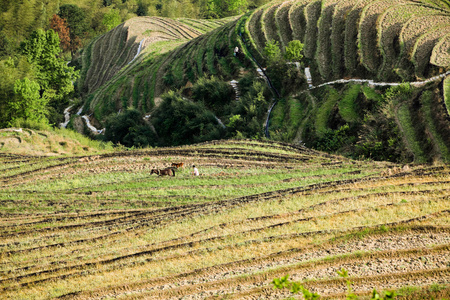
[129, 129]
[181, 122]
[272, 51]
[286, 78]
[213, 93]
[294, 51]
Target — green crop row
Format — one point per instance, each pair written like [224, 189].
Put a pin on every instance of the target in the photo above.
[351, 35]
[269, 25]
[255, 34]
[427, 108]
[340, 14]
[297, 20]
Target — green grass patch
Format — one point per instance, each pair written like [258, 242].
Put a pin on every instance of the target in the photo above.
[347, 106]
[331, 96]
[447, 94]
[404, 117]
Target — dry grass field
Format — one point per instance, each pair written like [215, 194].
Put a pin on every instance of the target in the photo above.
[102, 227]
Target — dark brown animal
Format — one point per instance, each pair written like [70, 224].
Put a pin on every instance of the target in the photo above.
[177, 165]
[163, 172]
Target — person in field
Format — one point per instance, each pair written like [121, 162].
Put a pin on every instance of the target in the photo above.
[195, 171]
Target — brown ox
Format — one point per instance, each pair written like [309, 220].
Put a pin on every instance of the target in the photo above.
[177, 165]
[163, 172]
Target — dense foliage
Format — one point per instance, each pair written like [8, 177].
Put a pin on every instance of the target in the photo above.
[179, 121]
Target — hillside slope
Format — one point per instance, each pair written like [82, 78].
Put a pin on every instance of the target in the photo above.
[101, 226]
[111, 52]
[380, 40]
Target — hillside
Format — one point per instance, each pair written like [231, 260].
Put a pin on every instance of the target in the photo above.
[57, 142]
[116, 49]
[383, 42]
[100, 226]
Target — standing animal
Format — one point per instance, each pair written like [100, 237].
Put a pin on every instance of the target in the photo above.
[163, 172]
[177, 165]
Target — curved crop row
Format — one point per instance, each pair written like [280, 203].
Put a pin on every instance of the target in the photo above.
[389, 27]
[351, 59]
[441, 54]
[255, 33]
[282, 23]
[367, 35]
[340, 15]
[423, 48]
[410, 33]
[323, 54]
[297, 20]
[312, 14]
[269, 25]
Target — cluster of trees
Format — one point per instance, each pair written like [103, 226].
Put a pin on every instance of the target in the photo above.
[36, 82]
[211, 112]
[37, 36]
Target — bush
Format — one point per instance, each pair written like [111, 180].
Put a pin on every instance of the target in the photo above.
[181, 122]
[213, 93]
[286, 78]
[294, 51]
[129, 129]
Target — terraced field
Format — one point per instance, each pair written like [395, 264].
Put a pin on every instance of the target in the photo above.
[97, 227]
[383, 40]
[111, 52]
[331, 30]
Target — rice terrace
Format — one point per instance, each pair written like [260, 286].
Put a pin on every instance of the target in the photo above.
[324, 177]
[96, 227]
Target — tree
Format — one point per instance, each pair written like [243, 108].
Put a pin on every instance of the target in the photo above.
[52, 73]
[111, 19]
[294, 51]
[27, 103]
[78, 25]
[272, 51]
[59, 25]
[129, 129]
[11, 70]
[181, 122]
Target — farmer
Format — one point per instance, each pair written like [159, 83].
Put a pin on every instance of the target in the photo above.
[195, 171]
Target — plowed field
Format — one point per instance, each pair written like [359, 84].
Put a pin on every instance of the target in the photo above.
[101, 227]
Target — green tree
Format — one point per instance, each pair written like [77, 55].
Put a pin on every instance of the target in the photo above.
[52, 73]
[111, 19]
[181, 122]
[272, 51]
[27, 103]
[11, 70]
[129, 129]
[294, 51]
[77, 22]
